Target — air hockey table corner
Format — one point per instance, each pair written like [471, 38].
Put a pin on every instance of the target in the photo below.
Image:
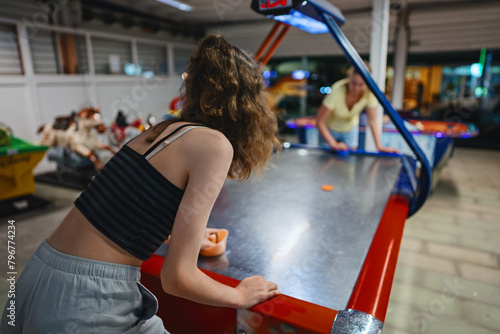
[366, 302]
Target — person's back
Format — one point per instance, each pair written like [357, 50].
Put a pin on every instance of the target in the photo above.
[86, 274]
[166, 174]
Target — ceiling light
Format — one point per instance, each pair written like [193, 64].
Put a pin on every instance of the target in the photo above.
[177, 4]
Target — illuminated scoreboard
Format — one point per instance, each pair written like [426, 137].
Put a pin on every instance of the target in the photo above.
[275, 7]
[301, 14]
[267, 5]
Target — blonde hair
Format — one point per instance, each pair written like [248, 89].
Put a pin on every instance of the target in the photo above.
[352, 70]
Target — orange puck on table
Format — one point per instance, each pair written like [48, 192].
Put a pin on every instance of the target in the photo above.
[327, 187]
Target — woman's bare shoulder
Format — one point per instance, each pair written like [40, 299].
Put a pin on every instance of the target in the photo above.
[209, 144]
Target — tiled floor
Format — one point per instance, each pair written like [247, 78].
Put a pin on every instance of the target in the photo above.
[448, 273]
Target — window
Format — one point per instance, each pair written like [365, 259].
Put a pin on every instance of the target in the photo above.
[43, 52]
[152, 59]
[181, 59]
[10, 61]
[54, 52]
[111, 56]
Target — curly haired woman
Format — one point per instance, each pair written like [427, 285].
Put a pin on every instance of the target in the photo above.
[85, 277]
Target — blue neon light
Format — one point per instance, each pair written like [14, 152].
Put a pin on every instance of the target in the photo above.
[303, 22]
[300, 74]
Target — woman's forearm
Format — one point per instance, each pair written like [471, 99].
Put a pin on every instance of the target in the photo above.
[323, 129]
[374, 125]
[200, 288]
[326, 134]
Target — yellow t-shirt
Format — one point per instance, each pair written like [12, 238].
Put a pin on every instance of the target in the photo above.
[342, 119]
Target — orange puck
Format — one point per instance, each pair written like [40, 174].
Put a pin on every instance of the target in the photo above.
[327, 187]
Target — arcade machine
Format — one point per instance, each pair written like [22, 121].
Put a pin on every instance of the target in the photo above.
[326, 228]
[18, 158]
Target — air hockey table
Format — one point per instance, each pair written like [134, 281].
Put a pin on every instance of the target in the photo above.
[326, 250]
[332, 253]
[435, 138]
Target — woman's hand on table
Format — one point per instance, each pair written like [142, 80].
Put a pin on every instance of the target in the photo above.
[339, 146]
[255, 290]
[388, 149]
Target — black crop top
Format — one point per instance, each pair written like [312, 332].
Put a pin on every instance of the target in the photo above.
[131, 202]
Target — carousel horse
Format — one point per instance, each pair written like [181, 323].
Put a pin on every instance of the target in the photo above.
[75, 133]
[123, 131]
[286, 86]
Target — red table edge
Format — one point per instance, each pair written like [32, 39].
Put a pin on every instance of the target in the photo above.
[373, 287]
[296, 312]
[371, 292]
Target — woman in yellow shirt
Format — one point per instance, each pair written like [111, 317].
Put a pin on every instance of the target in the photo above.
[338, 117]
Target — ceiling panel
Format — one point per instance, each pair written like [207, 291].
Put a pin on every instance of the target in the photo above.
[433, 25]
[211, 12]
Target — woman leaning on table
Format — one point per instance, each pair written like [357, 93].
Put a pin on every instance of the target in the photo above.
[85, 277]
[338, 117]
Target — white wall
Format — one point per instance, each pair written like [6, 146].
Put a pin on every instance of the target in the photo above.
[59, 96]
[29, 100]
[55, 98]
[15, 110]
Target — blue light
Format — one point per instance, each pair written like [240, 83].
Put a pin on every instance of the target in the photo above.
[303, 22]
[274, 74]
[300, 74]
[129, 69]
[177, 4]
[148, 74]
[476, 70]
[266, 74]
[439, 135]
[325, 90]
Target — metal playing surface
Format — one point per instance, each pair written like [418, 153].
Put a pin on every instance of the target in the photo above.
[311, 242]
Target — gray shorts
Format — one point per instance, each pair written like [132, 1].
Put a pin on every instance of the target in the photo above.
[58, 293]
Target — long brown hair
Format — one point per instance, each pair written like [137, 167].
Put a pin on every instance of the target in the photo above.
[224, 90]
